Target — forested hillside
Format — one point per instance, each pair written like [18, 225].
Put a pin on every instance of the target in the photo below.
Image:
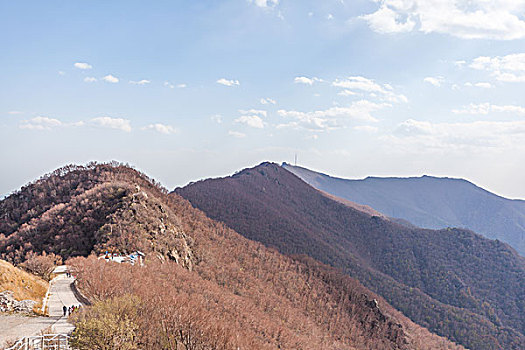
[455, 282]
[431, 202]
[203, 286]
[76, 210]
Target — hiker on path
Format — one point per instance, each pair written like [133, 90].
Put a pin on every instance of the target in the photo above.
[64, 308]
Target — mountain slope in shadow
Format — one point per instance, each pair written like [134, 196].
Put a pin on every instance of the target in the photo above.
[453, 281]
[431, 202]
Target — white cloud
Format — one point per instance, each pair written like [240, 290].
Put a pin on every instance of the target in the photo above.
[303, 80]
[366, 128]
[14, 112]
[436, 81]
[181, 86]
[266, 101]
[217, 118]
[140, 82]
[90, 79]
[169, 85]
[265, 3]
[483, 85]
[486, 108]
[359, 83]
[387, 20]
[236, 134]
[253, 111]
[112, 123]
[110, 79]
[253, 121]
[510, 68]
[424, 135]
[61, 72]
[227, 82]
[83, 65]
[252, 118]
[78, 124]
[306, 81]
[41, 123]
[371, 87]
[161, 128]
[45, 123]
[332, 118]
[346, 92]
[473, 19]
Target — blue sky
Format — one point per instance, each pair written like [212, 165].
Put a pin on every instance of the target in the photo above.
[185, 90]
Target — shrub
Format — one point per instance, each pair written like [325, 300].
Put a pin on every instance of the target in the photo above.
[108, 325]
[41, 265]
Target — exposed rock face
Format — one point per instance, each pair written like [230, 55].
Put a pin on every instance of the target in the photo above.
[376, 322]
[146, 223]
[79, 210]
[9, 304]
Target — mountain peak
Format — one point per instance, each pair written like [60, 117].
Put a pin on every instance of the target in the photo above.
[435, 277]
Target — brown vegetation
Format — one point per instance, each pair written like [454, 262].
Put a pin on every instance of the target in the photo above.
[456, 283]
[204, 285]
[24, 286]
[41, 265]
[76, 210]
[262, 301]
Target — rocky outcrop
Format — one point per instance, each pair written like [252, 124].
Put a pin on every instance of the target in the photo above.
[9, 304]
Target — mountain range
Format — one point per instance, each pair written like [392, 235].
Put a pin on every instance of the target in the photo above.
[217, 288]
[261, 259]
[430, 202]
[453, 281]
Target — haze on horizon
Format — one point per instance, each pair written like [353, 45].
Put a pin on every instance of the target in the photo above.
[186, 90]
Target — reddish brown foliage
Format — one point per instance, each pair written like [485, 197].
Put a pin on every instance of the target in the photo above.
[454, 282]
[77, 210]
[225, 291]
[41, 265]
[290, 305]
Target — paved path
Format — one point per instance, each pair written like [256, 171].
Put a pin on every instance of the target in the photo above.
[13, 327]
[17, 326]
[61, 294]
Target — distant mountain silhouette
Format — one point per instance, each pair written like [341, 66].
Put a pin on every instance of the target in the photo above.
[431, 202]
[453, 281]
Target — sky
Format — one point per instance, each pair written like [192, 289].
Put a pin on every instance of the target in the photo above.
[186, 90]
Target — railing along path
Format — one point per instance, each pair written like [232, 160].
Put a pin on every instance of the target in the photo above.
[43, 342]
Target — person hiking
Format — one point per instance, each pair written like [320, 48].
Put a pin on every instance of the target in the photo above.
[64, 308]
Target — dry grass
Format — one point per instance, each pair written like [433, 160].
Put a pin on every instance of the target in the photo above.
[23, 284]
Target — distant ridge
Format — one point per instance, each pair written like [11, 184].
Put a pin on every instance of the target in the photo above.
[430, 202]
[216, 289]
[452, 281]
